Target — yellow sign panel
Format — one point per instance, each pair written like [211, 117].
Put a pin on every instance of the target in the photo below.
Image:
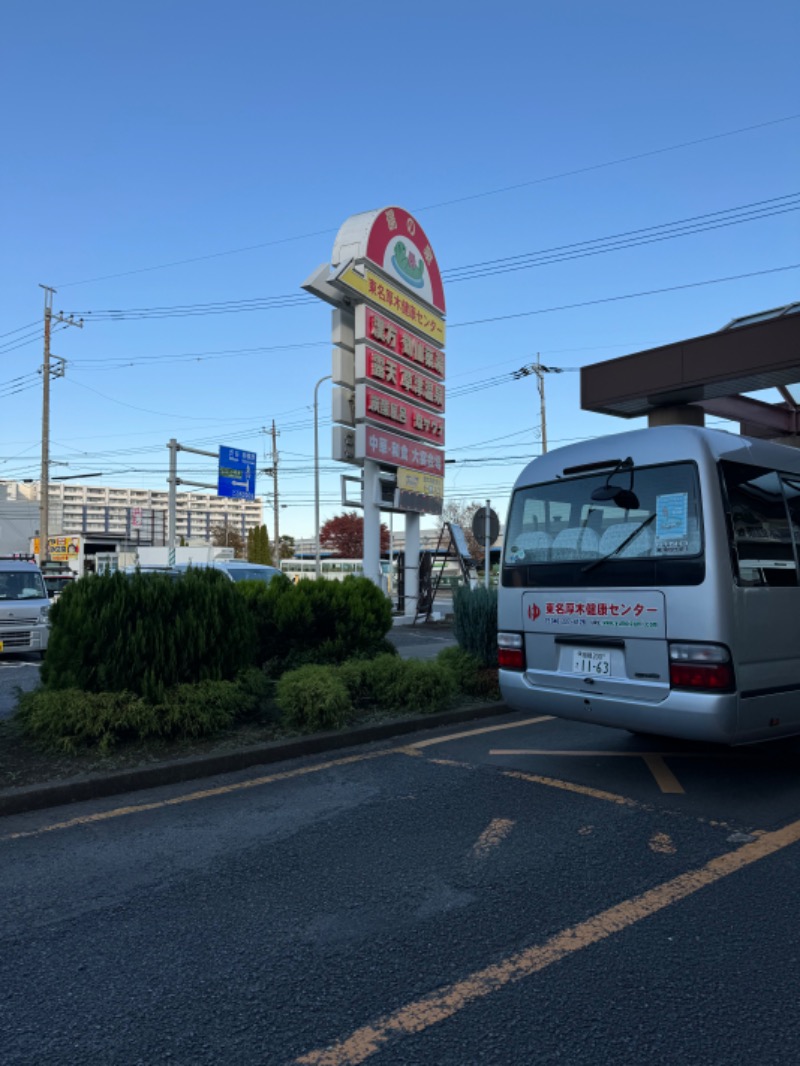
[392, 297]
[64, 548]
[417, 481]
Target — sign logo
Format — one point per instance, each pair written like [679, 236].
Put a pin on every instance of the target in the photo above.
[533, 612]
[410, 269]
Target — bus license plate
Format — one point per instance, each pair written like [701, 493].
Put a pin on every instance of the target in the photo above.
[597, 663]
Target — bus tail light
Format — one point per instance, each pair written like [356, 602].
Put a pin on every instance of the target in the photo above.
[702, 667]
[510, 651]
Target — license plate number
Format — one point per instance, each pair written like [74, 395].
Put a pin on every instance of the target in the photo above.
[597, 663]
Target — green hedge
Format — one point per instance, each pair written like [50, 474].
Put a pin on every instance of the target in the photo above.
[70, 720]
[325, 697]
[316, 622]
[475, 622]
[147, 633]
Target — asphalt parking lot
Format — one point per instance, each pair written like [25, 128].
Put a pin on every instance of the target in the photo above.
[16, 672]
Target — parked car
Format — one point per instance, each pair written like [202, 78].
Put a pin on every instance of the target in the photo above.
[56, 583]
[236, 569]
[24, 608]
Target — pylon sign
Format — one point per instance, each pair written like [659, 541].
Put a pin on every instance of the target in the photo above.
[388, 336]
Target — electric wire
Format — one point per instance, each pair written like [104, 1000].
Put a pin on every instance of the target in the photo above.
[456, 200]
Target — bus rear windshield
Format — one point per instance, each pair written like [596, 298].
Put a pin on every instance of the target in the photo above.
[634, 526]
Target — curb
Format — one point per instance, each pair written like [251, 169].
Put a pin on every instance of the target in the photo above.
[89, 787]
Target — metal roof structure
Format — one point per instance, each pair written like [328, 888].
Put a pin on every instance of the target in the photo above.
[711, 374]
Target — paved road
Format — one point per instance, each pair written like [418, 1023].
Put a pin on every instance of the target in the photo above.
[16, 671]
[422, 641]
[508, 893]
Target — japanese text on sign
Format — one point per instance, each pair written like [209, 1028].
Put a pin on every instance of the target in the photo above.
[400, 378]
[380, 330]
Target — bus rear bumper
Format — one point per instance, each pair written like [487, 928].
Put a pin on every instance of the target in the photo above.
[703, 716]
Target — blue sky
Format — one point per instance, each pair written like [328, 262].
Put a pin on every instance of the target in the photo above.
[162, 155]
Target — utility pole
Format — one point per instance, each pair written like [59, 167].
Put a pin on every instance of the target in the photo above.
[540, 379]
[539, 369]
[44, 485]
[276, 554]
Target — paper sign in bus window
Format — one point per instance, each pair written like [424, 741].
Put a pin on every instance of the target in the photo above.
[672, 515]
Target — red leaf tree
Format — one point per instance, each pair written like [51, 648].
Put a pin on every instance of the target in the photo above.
[344, 536]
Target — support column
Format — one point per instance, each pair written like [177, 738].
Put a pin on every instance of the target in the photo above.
[372, 522]
[682, 415]
[412, 563]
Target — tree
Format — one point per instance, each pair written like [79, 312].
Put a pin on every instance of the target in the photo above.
[227, 537]
[461, 514]
[287, 547]
[344, 536]
[258, 546]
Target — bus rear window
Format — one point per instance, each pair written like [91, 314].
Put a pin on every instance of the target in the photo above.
[578, 530]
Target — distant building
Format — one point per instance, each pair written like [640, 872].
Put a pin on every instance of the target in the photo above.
[129, 516]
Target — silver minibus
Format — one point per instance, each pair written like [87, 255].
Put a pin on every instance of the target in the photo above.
[650, 582]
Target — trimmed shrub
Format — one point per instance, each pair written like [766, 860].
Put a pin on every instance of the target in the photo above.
[472, 677]
[147, 633]
[313, 698]
[317, 621]
[70, 720]
[409, 685]
[475, 622]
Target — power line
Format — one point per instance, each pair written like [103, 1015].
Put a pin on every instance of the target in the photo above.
[562, 253]
[626, 296]
[458, 200]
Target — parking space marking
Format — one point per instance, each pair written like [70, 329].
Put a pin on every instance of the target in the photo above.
[206, 793]
[478, 732]
[421, 1014]
[581, 790]
[665, 779]
[493, 835]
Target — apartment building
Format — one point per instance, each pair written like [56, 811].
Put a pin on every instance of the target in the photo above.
[136, 515]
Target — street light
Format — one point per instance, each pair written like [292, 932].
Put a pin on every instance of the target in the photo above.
[316, 474]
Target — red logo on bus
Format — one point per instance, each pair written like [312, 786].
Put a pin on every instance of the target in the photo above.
[533, 612]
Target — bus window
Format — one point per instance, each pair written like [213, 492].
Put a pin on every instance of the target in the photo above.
[577, 531]
[764, 552]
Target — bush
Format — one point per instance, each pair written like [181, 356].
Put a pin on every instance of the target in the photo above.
[313, 698]
[317, 621]
[475, 622]
[472, 677]
[146, 633]
[69, 719]
[395, 684]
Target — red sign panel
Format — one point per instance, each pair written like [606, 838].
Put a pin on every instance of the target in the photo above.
[388, 373]
[394, 450]
[380, 330]
[397, 243]
[395, 413]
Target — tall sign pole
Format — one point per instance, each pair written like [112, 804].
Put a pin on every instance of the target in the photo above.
[388, 404]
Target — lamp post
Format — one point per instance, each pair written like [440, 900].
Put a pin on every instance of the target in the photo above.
[316, 474]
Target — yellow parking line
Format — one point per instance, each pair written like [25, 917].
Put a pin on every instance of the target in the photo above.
[494, 833]
[478, 732]
[443, 1003]
[665, 779]
[206, 793]
[582, 790]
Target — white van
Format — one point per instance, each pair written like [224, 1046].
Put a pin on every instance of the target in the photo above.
[24, 608]
[650, 581]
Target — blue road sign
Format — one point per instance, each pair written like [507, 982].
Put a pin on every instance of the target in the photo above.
[237, 473]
